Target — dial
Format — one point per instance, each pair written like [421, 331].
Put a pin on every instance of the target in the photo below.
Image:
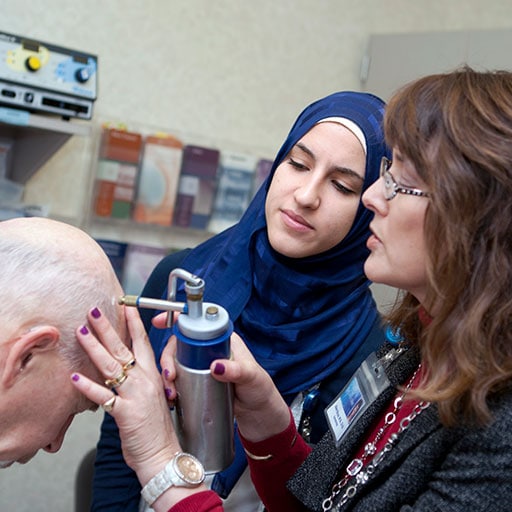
[33, 63]
[82, 75]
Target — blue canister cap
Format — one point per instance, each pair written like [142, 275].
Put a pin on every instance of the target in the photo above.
[199, 354]
[203, 336]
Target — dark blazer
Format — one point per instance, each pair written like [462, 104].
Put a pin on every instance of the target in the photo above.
[432, 468]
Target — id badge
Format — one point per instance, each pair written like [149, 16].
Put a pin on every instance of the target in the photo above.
[367, 383]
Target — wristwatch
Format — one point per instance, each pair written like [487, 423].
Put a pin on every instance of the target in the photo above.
[183, 470]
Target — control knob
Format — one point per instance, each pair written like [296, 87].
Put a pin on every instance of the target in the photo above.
[82, 75]
[33, 63]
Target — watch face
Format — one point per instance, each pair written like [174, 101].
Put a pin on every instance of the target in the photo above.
[189, 468]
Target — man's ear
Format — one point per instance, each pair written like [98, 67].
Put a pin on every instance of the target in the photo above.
[25, 350]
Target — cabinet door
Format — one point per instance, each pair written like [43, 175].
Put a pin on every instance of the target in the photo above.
[395, 59]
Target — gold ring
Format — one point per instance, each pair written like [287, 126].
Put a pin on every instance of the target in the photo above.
[109, 404]
[116, 381]
[129, 365]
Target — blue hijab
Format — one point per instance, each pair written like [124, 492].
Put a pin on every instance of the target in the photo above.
[303, 319]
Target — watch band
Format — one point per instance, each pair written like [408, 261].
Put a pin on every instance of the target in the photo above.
[173, 475]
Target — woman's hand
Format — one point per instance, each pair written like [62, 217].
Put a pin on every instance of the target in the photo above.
[137, 400]
[259, 408]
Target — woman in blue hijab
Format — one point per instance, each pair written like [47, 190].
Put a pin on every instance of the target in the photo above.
[309, 318]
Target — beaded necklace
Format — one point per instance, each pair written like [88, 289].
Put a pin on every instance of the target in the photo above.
[356, 472]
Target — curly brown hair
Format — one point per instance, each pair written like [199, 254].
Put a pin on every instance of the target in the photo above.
[456, 129]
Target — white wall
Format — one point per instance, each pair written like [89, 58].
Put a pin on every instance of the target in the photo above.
[240, 70]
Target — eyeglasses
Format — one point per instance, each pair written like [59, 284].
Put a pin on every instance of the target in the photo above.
[391, 186]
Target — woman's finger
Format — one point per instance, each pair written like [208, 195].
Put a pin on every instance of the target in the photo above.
[160, 320]
[253, 385]
[94, 392]
[109, 367]
[169, 370]
[140, 342]
[138, 367]
[110, 337]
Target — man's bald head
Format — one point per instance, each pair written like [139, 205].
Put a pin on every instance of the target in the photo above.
[53, 273]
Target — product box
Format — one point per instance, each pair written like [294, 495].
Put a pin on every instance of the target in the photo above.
[158, 180]
[6, 151]
[263, 168]
[234, 190]
[196, 189]
[115, 188]
[116, 252]
[120, 145]
[116, 173]
[140, 260]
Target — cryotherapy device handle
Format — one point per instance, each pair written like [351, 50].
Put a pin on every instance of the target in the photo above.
[194, 289]
[137, 301]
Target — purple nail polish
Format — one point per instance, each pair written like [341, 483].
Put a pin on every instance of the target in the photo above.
[95, 313]
[168, 393]
[75, 377]
[166, 373]
[84, 329]
[219, 369]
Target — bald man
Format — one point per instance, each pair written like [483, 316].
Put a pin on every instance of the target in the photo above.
[52, 275]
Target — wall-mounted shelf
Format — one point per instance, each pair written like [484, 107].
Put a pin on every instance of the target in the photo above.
[126, 230]
[35, 139]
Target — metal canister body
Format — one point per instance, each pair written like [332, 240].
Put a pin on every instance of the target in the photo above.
[204, 416]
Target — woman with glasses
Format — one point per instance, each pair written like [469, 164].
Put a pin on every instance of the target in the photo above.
[426, 425]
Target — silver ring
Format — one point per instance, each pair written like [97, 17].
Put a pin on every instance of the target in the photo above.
[109, 404]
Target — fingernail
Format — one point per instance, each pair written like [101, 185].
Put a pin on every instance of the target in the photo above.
[84, 329]
[166, 373]
[219, 369]
[75, 377]
[168, 393]
[95, 313]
